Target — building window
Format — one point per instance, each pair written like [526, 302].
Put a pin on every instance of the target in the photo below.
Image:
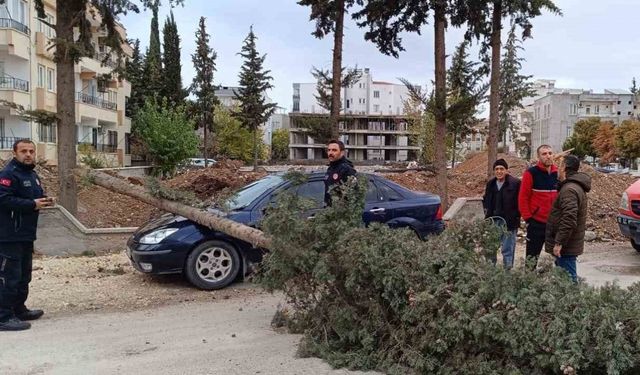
[127, 145]
[376, 94]
[376, 108]
[51, 80]
[47, 133]
[112, 137]
[597, 109]
[2, 130]
[348, 100]
[587, 110]
[618, 113]
[41, 75]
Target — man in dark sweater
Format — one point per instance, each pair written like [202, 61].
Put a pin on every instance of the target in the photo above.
[568, 218]
[340, 168]
[500, 202]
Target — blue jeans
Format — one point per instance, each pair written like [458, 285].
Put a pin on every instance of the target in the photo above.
[568, 263]
[508, 245]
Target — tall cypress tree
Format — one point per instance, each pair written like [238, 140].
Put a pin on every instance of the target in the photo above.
[254, 81]
[134, 74]
[172, 79]
[513, 86]
[204, 62]
[153, 61]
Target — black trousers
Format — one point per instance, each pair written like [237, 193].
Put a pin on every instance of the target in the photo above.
[16, 261]
[535, 242]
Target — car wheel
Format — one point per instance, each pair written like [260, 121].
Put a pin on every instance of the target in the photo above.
[212, 265]
[635, 246]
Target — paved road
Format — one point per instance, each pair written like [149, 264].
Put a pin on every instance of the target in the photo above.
[226, 337]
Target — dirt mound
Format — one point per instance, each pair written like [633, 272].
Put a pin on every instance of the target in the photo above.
[468, 179]
[209, 183]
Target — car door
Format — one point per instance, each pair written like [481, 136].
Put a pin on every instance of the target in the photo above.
[312, 190]
[376, 209]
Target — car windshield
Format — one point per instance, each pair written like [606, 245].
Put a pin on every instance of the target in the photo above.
[245, 196]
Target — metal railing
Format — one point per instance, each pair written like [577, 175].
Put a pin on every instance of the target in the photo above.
[8, 23]
[12, 83]
[6, 143]
[85, 98]
[101, 147]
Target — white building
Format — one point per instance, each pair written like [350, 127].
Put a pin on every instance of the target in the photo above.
[373, 126]
[556, 113]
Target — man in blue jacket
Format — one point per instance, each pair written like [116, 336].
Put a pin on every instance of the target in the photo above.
[21, 198]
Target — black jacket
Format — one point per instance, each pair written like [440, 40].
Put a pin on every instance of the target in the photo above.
[507, 198]
[19, 186]
[337, 173]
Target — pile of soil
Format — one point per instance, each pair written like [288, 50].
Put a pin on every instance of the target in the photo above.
[210, 183]
[468, 179]
[101, 208]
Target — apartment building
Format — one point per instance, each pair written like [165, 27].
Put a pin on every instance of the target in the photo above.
[28, 78]
[556, 113]
[372, 126]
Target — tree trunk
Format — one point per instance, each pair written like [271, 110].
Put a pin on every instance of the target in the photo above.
[494, 97]
[204, 150]
[336, 82]
[440, 146]
[66, 111]
[255, 149]
[453, 153]
[251, 235]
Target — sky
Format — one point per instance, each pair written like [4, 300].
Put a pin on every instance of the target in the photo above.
[592, 46]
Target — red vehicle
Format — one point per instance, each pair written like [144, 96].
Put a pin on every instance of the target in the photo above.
[629, 214]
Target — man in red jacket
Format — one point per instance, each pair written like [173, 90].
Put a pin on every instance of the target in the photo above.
[538, 190]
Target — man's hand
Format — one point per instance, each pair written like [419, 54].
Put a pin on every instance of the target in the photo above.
[557, 249]
[43, 202]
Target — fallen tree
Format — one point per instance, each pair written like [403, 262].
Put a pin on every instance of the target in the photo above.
[248, 234]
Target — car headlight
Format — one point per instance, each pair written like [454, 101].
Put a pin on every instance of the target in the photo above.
[624, 202]
[156, 236]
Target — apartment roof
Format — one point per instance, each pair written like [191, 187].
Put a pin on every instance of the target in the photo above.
[617, 91]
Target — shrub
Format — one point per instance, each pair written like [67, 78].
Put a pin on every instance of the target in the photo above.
[376, 298]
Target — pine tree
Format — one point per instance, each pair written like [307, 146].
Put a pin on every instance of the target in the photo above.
[172, 80]
[153, 61]
[134, 74]
[254, 81]
[465, 91]
[513, 86]
[204, 62]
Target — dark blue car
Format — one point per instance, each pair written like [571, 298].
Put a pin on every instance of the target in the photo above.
[212, 259]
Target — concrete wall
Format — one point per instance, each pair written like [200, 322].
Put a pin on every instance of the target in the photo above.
[61, 234]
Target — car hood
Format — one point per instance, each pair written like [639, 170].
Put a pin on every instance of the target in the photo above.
[173, 220]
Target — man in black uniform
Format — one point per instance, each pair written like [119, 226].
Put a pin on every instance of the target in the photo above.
[21, 198]
[340, 168]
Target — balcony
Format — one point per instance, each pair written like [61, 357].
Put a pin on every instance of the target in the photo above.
[44, 47]
[14, 38]
[100, 147]
[82, 97]
[11, 83]
[14, 90]
[6, 143]
[106, 59]
[8, 23]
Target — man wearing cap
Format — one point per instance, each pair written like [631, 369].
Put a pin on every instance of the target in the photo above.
[538, 190]
[500, 202]
[568, 218]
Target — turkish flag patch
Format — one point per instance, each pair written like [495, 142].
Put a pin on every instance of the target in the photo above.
[5, 182]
